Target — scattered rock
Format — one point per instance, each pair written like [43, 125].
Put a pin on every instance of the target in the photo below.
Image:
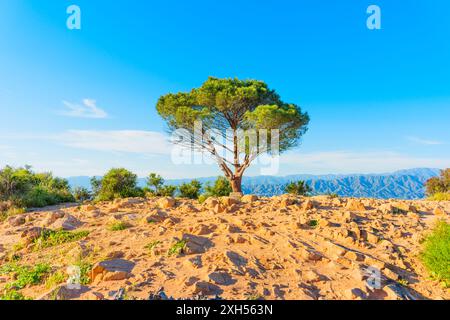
[167, 203]
[110, 270]
[438, 211]
[355, 205]
[16, 221]
[249, 198]
[67, 223]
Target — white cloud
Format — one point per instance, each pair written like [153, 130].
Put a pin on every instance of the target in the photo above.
[424, 141]
[88, 109]
[142, 142]
[356, 162]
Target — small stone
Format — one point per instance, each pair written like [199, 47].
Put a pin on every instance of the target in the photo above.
[438, 211]
[16, 221]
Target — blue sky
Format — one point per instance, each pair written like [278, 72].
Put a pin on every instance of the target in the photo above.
[78, 102]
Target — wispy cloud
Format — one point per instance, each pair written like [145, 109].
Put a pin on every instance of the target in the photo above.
[87, 109]
[143, 142]
[424, 141]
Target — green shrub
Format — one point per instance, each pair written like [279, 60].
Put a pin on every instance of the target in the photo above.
[300, 188]
[439, 184]
[11, 294]
[220, 188]
[177, 248]
[118, 226]
[190, 190]
[25, 275]
[51, 238]
[81, 194]
[436, 252]
[24, 188]
[441, 196]
[54, 279]
[117, 183]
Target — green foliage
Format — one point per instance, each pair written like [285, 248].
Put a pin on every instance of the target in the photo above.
[51, 238]
[117, 183]
[300, 188]
[440, 196]
[81, 194]
[190, 190]
[313, 223]
[25, 188]
[152, 245]
[436, 252]
[220, 188]
[54, 279]
[439, 185]
[118, 226]
[223, 104]
[156, 187]
[11, 294]
[25, 275]
[85, 271]
[177, 248]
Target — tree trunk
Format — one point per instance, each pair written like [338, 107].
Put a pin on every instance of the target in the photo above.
[236, 184]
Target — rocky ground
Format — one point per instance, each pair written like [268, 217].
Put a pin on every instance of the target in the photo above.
[271, 248]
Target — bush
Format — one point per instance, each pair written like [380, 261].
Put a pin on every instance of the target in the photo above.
[220, 188]
[439, 184]
[117, 183]
[436, 252]
[24, 188]
[440, 196]
[51, 238]
[299, 188]
[190, 190]
[156, 187]
[81, 194]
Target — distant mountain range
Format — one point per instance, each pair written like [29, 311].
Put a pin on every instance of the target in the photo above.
[404, 184]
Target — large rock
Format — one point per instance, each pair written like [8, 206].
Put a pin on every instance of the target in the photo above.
[355, 205]
[32, 234]
[65, 292]
[196, 244]
[112, 270]
[167, 202]
[67, 223]
[16, 221]
[249, 198]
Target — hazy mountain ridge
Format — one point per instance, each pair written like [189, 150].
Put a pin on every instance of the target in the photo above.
[403, 184]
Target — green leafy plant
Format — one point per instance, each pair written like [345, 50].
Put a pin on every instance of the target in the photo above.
[51, 238]
[300, 188]
[23, 188]
[117, 183]
[81, 194]
[190, 190]
[235, 105]
[55, 279]
[177, 248]
[118, 226]
[220, 188]
[439, 185]
[26, 275]
[12, 294]
[436, 252]
[313, 223]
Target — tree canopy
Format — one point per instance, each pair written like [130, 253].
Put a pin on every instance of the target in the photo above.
[239, 107]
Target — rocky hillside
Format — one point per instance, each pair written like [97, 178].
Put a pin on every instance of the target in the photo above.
[273, 248]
